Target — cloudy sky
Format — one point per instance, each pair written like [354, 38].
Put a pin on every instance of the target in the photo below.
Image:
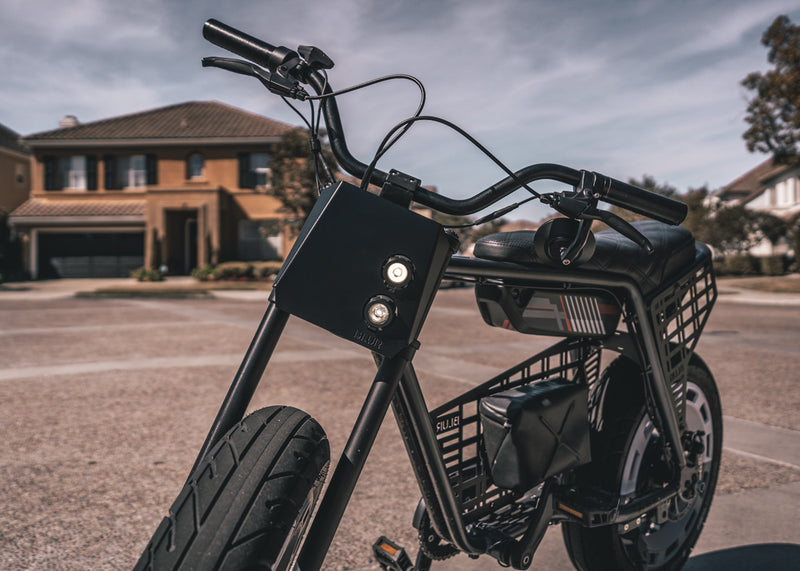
[626, 88]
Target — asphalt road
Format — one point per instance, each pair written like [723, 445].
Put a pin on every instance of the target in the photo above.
[105, 402]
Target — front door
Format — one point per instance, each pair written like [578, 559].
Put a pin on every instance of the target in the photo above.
[181, 246]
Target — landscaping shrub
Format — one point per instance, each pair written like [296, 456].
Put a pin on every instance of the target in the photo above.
[237, 271]
[742, 265]
[773, 265]
[203, 273]
[147, 275]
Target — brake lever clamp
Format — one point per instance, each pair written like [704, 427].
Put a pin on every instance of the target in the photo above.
[579, 205]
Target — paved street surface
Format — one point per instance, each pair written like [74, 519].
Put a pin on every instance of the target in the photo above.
[105, 402]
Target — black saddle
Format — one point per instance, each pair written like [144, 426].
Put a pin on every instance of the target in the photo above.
[674, 251]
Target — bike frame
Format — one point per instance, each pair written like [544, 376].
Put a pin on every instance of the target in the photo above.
[396, 384]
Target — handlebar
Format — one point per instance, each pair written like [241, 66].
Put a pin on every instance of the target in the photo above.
[641, 201]
[287, 63]
[247, 46]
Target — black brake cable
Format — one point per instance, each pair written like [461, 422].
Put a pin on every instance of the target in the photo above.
[544, 198]
[385, 146]
[492, 216]
[314, 126]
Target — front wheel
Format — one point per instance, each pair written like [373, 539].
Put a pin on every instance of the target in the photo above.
[248, 504]
[627, 458]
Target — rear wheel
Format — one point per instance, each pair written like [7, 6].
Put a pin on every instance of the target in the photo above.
[248, 504]
[626, 456]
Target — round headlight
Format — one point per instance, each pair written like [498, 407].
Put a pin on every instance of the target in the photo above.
[379, 312]
[398, 271]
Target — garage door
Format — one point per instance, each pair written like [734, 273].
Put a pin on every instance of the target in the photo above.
[90, 254]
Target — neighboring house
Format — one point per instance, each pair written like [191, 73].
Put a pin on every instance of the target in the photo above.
[15, 177]
[769, 187]
[176, 187]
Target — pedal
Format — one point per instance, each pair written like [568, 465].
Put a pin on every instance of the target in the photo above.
[391, 556]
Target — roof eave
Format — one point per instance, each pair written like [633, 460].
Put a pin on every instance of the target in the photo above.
[73, 220]
[150, 142]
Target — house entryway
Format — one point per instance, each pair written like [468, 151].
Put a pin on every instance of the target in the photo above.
[181, 241]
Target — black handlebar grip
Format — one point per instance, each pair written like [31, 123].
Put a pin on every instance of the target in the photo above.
[245, 45]
[641, 201]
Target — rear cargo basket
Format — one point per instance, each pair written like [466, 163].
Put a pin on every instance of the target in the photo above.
[458, 427]
[678, 314]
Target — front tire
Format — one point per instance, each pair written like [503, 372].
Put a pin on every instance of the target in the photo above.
[248, 504]
[626, 458]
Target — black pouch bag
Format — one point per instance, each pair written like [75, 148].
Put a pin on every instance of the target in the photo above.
[535, 431]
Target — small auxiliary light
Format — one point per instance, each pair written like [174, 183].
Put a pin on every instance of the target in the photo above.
[379, 312]
[398, 271]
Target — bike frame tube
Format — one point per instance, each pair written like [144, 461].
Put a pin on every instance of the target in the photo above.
[247, 377]
[412, 415]
[351, 462]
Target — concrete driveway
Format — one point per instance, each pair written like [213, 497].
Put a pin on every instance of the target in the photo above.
[104, 403]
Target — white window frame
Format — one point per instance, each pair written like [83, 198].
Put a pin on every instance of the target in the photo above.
[193, 174]
[261, 172]
[72, 171]
[132, 171]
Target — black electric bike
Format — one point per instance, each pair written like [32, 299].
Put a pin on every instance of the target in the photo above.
[624, 456]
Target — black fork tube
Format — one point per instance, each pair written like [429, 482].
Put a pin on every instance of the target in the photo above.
[344, 478]
[247, 377]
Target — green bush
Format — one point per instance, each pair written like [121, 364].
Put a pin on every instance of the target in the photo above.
[203, 273]
[742, 265]
[237, 271]
[266, 270]
[773, 265]
[147, 275]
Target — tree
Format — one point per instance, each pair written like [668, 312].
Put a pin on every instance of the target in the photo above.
[774, 112]
[293, 174]
[697, 218]
[736, 229]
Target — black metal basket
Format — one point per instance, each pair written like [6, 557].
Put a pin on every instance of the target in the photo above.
[459, 428]
[678, 315]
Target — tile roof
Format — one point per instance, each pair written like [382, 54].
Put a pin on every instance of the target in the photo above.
[752, 183]
[11, 140]
[51, 208]
[192, 120]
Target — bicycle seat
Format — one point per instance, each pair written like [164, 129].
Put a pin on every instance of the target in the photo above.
[674, 250]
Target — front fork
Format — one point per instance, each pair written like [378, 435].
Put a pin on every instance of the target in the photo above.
[345, 476]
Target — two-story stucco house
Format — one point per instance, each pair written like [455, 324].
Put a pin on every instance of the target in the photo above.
[178, 186]
[769, 187]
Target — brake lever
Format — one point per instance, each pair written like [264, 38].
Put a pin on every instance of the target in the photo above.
[274, 82]
[622, 226]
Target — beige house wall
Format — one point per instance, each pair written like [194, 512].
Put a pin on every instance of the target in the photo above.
[15, 179]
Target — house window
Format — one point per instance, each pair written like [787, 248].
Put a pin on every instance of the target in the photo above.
[132, 172]
[73, 172]
[77, 172]
[254, 171]
[195, 166]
